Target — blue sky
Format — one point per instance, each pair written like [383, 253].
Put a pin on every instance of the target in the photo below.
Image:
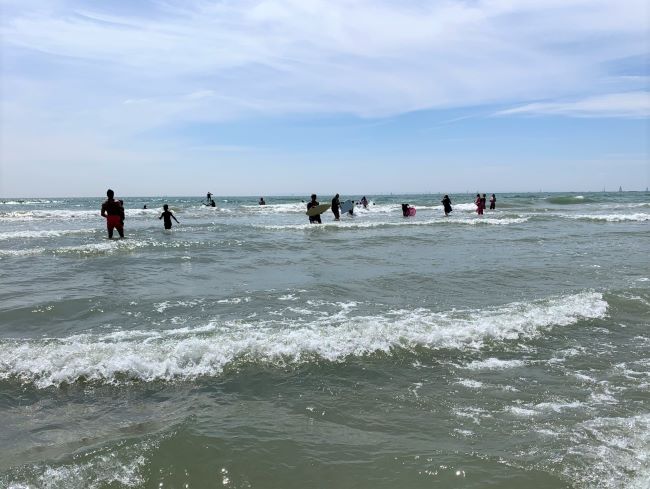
[268, 97]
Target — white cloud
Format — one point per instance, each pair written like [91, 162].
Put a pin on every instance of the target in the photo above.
[630, 104]
[363, 57]
[102, 75]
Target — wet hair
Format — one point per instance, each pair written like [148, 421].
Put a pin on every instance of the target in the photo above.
[165, 207]
[110, 194]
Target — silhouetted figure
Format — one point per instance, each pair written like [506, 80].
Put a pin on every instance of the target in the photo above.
[113, 212]
[493, 202]
[313, 203]
[262, 201]
[145, 206]
[168, 216]
[479, 204]
[364, 202]
[212, 203]
[336, 205]
[446, 203]
[405, 210]
[484, 202]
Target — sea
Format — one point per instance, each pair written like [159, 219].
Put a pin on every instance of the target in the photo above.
[246, 348]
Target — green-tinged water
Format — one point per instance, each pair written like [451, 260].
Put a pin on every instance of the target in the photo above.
[246, 348]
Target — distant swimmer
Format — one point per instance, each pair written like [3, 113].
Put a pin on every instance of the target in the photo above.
[479, 204]
[313, 203]
[262, 201]
[113, 212]
[336, 205]
[168, 216]
[483, 202]
[446, 203]
[405, 210]
[493, 202]
[145, 206]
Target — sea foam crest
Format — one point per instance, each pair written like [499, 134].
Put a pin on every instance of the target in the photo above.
[354, 224]
[638, 217]
[34, 234]
[187, 353]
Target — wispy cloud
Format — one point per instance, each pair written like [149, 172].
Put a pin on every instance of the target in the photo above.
[104, 74]
[630, 104]
[363, 57]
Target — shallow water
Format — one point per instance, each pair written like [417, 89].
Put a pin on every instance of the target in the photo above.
[247, 348]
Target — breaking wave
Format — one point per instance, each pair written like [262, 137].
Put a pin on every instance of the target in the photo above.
[191, 352]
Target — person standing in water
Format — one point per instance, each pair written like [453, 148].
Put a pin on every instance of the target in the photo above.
[336, 204]
[167, 214]
[313, 203]
[446, 203]
[364, 202]
[479, 204]
[262, 201]
[493, 202]
[113, 212]
[208, 198]
[483, 202]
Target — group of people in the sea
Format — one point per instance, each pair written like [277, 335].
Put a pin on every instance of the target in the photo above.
[407, 209]
[335, 207]
[480, 203]
[113, 210]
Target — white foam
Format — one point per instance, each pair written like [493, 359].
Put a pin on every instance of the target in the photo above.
[234, 300]
[470, 384]
[57, 214]
[611, 453]
[361, 224]
[636, 217]
[98, 248]
[163, 306]
[522, 412]
[31, 234]
[190, 352]
[494, 364]
[558, 406]
[30, 202]
[101, 468]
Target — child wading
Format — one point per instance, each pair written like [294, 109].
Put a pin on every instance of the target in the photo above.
[167, 214]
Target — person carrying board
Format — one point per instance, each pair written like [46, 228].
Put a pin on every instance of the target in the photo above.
[313, 203]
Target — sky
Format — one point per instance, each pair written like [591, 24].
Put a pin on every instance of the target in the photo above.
[279, 97]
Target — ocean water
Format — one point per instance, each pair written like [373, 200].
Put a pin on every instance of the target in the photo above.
[248, 349]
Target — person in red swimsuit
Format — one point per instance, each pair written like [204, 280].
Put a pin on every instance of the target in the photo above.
[479, 204]
[113, 211]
